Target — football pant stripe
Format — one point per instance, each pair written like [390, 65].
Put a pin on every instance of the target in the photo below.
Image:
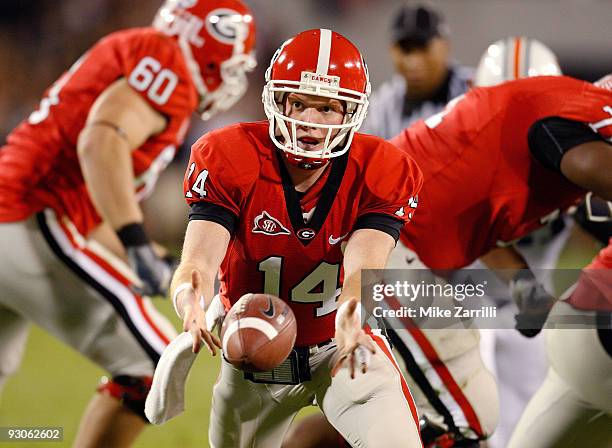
[439, 375]
[421, 380]
[382, 343]
[325, 40]
[108, 282]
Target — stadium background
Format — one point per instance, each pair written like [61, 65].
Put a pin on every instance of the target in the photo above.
[41, 38]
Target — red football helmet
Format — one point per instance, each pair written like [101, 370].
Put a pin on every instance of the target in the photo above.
[323, 63]
[217, 39]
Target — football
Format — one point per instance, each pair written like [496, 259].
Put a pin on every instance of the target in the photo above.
[258, 332]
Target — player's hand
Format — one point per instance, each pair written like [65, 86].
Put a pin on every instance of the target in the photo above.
[354, 346]
[154, 272]
[215, 313]
[533, 302]
[194, 317]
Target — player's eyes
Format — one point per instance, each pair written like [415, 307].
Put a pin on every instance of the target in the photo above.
[297, 104]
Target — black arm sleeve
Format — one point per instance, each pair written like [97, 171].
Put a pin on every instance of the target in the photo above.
[378, 221]
[551, 137]
[206, 211]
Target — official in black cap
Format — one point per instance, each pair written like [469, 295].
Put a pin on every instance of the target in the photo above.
[420, 50]
[426, 78]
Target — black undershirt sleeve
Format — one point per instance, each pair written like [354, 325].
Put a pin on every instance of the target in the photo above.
[379, 221]
[551, 137]
[205, 211]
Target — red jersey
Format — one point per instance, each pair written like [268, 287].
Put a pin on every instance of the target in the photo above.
[39, 167]
[594, 289]
[288, 246]
[481, 184]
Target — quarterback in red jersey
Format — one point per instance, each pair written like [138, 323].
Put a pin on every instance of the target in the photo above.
[76, 258]
[296, 207]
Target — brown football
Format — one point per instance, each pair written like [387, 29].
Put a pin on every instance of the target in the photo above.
[258, 332]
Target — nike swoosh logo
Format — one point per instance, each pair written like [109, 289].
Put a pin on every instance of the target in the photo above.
[270, 311]
[334, 241]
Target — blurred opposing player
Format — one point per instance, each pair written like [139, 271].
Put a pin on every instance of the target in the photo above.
[296, 207]
[76, 259]
[573, 407]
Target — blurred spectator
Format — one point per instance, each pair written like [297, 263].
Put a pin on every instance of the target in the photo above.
[426, 78]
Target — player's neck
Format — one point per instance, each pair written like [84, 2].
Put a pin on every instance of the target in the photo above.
[303, 179]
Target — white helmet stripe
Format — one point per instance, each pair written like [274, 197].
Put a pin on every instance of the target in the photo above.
[526, 58]
[324, 51]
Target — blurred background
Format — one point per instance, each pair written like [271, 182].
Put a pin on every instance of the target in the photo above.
[39, 39]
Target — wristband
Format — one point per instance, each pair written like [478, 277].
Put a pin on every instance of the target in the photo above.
[180, 288]
[133, 235]
[344, 309]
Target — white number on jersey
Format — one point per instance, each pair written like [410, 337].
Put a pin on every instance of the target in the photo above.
[324, 275]
[160, 83]
[436, 119]
[198, 185]
[52, 98]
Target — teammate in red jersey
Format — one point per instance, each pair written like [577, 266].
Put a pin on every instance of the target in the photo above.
[296, 207]
[71, 176]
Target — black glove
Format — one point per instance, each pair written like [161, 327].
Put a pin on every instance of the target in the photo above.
[154, 272]
[533, 302]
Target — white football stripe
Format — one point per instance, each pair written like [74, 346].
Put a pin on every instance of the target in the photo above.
[324, 51]
[249, 322]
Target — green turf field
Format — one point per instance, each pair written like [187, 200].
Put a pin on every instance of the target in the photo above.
[55, 383]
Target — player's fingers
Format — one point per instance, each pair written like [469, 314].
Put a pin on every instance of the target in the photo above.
[338, 365]
[216, 340]
[367, 342]
[363, 358]
[208, 341]
[197, 342]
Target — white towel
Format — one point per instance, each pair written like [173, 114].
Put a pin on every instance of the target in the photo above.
[166, 399]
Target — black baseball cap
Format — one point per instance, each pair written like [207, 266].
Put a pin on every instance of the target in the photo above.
[415, 26]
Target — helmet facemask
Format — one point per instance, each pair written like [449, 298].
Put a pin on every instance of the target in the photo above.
[283, 129]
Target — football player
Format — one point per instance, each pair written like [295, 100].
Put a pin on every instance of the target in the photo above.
[497, 163]
[76, 258]
[573, 407]
[519, 152]
[296, 206]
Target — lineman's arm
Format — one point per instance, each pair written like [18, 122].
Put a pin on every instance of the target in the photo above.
[119, 121]
[533, 301]
[506, 262]
[366, 249]
[204, 248]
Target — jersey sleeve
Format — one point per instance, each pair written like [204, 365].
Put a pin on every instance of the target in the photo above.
[154, 67]
[392, 184]
[593, 107]
[219, 177]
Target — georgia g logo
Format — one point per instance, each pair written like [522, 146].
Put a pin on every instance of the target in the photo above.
[225, 24]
